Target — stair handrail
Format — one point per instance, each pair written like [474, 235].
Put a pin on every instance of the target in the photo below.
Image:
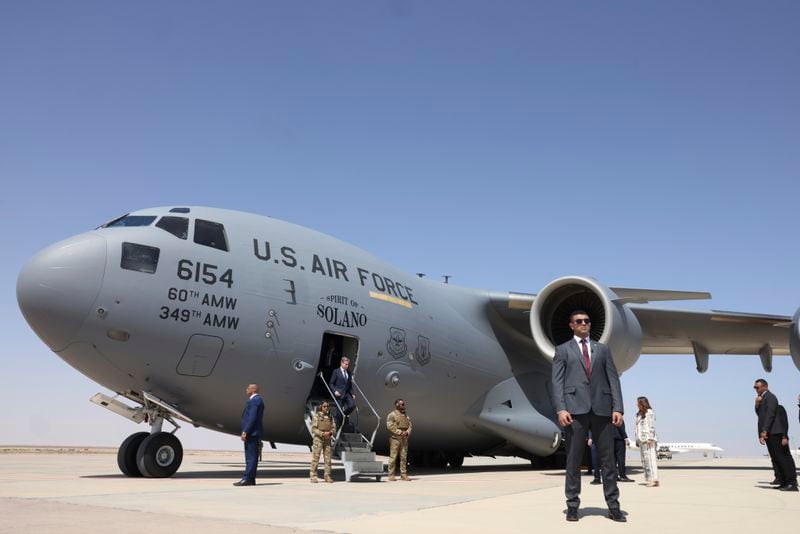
[378, 417]
[338, 407]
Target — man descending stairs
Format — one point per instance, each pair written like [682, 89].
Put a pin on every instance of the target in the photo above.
[351, 446]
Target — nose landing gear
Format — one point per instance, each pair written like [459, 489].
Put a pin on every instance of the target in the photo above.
[156, 455]
[159, 455]
[126, 455]
[153, 454]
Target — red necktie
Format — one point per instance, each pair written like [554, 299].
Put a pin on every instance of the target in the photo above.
[586, 360]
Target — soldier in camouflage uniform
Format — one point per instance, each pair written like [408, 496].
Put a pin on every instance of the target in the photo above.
[323, 427]
[399, 426]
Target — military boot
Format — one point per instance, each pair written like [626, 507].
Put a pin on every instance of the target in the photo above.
[328, 479]
[314, 480]
[405, 477]
[391, 478]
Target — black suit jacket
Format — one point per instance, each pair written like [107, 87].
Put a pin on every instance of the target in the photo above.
[768, 414]
[781, 425]
[339, 384]
[619, 432]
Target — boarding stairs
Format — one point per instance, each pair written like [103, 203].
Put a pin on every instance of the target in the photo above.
[354, 449]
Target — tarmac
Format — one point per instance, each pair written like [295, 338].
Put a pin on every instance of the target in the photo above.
[80, 490]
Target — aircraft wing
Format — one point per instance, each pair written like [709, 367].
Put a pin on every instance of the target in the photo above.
[616, 312]
[702, 333]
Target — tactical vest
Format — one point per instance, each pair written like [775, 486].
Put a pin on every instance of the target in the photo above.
[401, 420]
[324, 423]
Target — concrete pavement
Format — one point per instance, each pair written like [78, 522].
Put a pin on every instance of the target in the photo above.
[82, 491]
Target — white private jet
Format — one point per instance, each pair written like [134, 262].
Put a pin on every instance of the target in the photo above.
[683, 447]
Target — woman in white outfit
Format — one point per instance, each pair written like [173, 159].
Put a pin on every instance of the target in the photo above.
[647, 440]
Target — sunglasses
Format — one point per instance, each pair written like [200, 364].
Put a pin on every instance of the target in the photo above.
[582, 321]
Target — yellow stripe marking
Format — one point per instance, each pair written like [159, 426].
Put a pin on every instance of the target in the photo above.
[389, 298]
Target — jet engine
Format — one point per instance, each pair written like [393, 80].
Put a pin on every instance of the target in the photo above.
[794, 339]
[613, 324]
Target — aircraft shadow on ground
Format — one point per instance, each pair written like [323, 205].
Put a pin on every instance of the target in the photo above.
[284, 469]
[714, 467]
[635, 471]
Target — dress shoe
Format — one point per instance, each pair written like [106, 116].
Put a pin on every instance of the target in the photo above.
[595, 482]
[625, 479]
[245, 483]
[616, 515]
[788, 487]
[572, 514]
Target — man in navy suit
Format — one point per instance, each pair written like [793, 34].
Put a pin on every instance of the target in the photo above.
[587, 395]
[341, 384]
[252, 430]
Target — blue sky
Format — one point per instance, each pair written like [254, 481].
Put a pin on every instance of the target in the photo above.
[506, 143]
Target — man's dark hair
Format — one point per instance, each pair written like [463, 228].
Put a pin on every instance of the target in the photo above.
[762, 381]
[578, 312]
[398, 401]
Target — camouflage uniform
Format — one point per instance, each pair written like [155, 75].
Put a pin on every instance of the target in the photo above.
[396, 423]
[322, 422]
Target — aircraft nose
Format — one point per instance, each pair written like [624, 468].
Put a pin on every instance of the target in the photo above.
[57, 287]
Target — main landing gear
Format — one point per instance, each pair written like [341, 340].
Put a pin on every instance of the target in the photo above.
[154, 454]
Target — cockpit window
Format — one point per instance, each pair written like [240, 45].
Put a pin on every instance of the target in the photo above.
[210, 234]
[177, 226]
[131, 220]
[180, 210]
[139, 258]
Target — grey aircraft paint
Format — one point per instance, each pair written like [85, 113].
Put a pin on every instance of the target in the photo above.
[145, 308]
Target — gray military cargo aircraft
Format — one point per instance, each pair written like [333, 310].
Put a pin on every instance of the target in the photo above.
[178, 308]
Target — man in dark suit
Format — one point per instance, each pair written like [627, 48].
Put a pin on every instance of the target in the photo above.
[773, 431]
[252, 430]
[341, 383]
[785, 452]
[620, 446]
[587, 395]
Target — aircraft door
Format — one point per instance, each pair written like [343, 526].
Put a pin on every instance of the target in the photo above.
[333, 347]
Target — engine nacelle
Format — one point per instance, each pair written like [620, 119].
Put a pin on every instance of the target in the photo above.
[794, 339]
[613, 324]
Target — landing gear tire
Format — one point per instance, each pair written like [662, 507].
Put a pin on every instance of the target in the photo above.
[454, 460]
[126, 455]
[159, 455]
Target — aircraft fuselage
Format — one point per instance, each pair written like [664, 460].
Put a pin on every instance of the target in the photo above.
[208, 321]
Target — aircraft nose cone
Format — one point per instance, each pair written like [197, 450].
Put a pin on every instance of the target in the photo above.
[57, 287]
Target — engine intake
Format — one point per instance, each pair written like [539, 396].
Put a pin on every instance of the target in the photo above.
[613, 324]
[794, 339]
